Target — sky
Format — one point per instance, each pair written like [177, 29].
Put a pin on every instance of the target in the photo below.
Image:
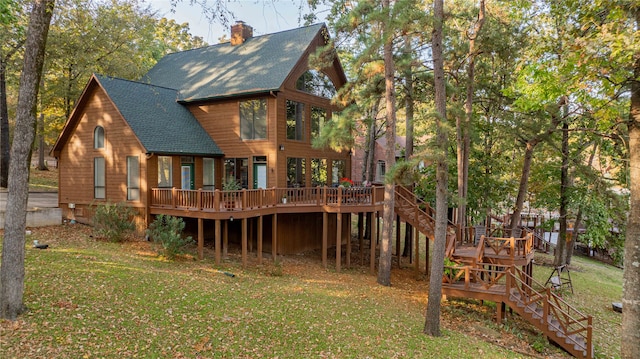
[265, 16]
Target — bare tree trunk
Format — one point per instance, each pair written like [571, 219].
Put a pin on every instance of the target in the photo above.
[464, 137]
[384, 271]
[432, 320]
[631, 274]
[42, 166]
[561, 245]
[408, 152]
[12, 267]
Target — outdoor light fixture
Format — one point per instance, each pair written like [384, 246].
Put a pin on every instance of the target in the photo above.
[281, 147]
[231, 218]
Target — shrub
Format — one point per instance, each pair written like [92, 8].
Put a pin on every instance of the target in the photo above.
[113, 221]
[167, 230]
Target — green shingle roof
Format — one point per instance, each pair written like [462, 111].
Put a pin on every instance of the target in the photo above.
[162, 125]
[260, 64]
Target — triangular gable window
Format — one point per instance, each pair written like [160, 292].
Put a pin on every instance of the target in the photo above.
[316, 83]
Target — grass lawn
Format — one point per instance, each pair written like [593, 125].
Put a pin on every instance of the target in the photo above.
[88, 298]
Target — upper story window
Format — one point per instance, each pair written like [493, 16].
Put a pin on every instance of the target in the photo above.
[318, 117]
[253, 119]
[98, 137]
[165, 171]
[316, 83]
[295, 120]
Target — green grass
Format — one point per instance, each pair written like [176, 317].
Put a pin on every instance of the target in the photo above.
[43, 181]
[96, 299]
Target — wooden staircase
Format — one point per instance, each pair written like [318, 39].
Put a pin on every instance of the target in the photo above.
[500, 280]
[420, 215]
[554, 317]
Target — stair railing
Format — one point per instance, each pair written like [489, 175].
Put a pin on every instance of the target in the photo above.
[570, 320]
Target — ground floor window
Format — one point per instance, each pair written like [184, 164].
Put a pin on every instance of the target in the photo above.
[237, 170]
[165, 172]
[99, 191]
[338, 171]
[296, 172]
[318, 172]
[208, 174]
[133, 178]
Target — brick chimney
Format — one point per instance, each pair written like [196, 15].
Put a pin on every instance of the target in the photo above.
[240, 32]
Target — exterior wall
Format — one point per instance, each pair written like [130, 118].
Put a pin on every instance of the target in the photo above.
[76, 159]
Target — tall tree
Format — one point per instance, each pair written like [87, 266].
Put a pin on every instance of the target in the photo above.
[464, 128]
[12, 38]
[432, 321]
[384, 270]
[12, 266]
[631, 275]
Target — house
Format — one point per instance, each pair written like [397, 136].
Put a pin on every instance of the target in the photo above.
[379, 157]
[237, 115]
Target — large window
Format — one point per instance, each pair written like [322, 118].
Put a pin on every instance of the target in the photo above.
[99, 191]
[208, 174]
[318, 172]
[133, 178]
[318, 117]
[98, 137]
[237, 169]
[253, 119]
[316, 83]
[296, 172]
[338, 171]
[295, 120]
[165, 172]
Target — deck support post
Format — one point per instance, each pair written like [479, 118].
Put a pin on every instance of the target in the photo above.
[244, 242]
[348, 220]
[325, 239]
[338, 241]
[499, 312]
[274, 239]
[217, 242]
[426, 255]
[250, 234]
[225, 240]
[200, 239]
[398, 244]
[373, 240]
[416, 245]
[260, 239]
[361, 236]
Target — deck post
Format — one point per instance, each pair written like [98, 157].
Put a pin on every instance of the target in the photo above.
[260, 239]
[216, 199]
[416, 245]
[374, 237]
[398, 244]
[217, 242]
[274, 240]
[244, 242]
[361, 236]
[250, 234]
[200, 239]
[348, 220]
[426, 254]
[225, 239]
[174, 193]
[338, 240]
[325, 239]
[199, 199]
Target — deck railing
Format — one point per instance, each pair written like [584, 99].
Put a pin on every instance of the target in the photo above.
[205, 200]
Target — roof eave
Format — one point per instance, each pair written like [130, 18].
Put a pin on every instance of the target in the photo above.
[227, 96]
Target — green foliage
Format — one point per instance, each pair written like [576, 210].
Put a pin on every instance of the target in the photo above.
[113, 222]
[167, 230]
[231, 185]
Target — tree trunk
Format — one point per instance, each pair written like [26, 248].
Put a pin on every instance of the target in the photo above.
[4, 125]
[42, 166]
[408, 151]
[12, 267]
[432, 320]
[561, 245]
[464, 141]
[384, 271]
[631, 275]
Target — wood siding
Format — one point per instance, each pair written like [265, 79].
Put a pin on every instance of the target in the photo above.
[76, 159]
